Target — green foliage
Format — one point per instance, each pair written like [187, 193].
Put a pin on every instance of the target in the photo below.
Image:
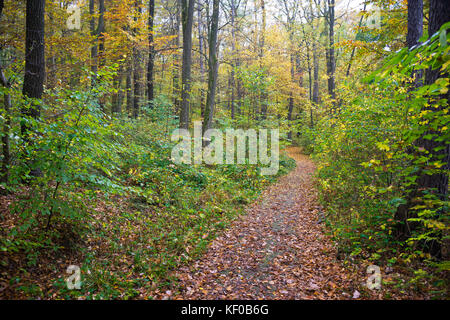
[369, 160]
[160, 214]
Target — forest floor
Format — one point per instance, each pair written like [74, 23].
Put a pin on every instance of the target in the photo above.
[278, 250]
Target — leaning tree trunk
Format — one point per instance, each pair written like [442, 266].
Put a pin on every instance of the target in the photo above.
[4, 177]
[201, 58]
[291, 94]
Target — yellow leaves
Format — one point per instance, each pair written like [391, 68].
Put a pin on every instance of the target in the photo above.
[383, 146]
[446, 65]
[438, 164]
[434, 224]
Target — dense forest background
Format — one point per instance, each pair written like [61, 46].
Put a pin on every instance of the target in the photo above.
[91, 91]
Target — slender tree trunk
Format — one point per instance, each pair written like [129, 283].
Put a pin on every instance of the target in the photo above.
[331, 53]
[263, 100]
[415, 30]
[94, 51]
[101, 43]
[176, 92]
[128, 86]
[187, 17]
[201, 61]
[235, 59]
[100, 32]
[212, 67]
[136, 66]
[4, 177]
[151, 52]
[291, 94]
[33, 84]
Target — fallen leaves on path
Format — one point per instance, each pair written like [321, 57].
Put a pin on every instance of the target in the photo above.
[278, 250]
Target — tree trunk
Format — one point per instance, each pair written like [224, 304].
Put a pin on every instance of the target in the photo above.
[4, 177]
[151, 52]
[331, 54]
[128, 86]
[201, 61]
[263, 97]
[212, 67]
[235, 61]
[100, 32]
[94, 52]
[136, 66]
[116, 104]
[187, 17]
[101, 43]
[33, 82]
[291, 94]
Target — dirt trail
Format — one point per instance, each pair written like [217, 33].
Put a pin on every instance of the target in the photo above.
[278, 250]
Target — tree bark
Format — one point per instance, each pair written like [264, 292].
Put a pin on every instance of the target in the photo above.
[176, 93]
[128, 88]
[263, 97]
[201, 60]
[136, 66]
[94, 51]
[33, 84]
[187, 17]
[331, 53]
[4, 177]
[151, 52]
[212, 67]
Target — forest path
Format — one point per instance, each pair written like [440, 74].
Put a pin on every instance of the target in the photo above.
[278, 250]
